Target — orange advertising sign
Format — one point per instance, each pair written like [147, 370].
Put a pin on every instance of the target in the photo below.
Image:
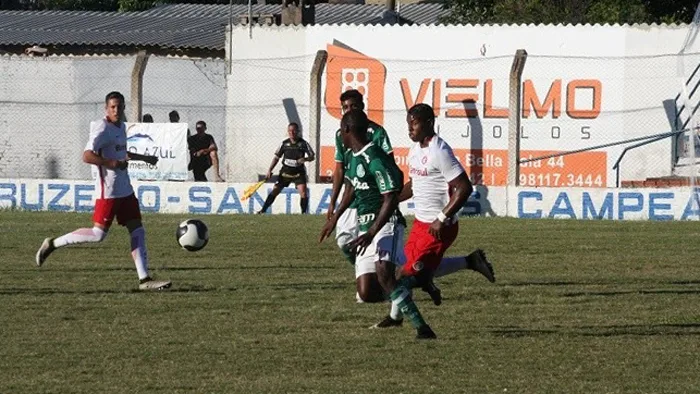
[471, 96]
[489, 167]
[348, 69]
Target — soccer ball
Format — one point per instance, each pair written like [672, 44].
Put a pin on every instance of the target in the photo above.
[192, 234]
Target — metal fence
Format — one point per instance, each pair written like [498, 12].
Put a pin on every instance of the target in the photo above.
[563, 104]
[47, 104]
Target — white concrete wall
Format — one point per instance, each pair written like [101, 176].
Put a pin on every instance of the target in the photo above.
[46, 105]
[636, 66]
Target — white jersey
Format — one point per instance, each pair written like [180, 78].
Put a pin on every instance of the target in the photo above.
[430, 169]
[109, 141]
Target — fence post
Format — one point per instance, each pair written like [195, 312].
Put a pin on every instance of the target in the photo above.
[137, 85]
[516, 74]
[315, 112]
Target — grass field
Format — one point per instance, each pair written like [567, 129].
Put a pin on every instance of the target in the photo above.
[578, 307]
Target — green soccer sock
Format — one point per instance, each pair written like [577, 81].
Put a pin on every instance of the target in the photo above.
[350, 256]
[402, 296]
[409, 282]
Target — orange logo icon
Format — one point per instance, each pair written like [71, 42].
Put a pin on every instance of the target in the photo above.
[348, 69]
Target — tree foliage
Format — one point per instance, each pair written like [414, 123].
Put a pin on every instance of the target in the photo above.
[569, 11]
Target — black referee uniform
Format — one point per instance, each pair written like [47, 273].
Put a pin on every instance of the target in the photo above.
[292, 171]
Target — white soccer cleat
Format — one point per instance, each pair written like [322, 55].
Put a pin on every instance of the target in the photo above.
[151, 284]
[44, 251]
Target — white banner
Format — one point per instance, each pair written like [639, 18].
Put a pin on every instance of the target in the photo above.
[167, 141]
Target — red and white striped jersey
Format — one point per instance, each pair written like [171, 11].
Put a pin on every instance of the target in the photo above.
[109, 141]
[430, 169]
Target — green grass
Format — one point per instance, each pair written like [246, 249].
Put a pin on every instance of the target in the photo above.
[578, 307]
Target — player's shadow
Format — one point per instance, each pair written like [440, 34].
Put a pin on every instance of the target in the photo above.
[476, 136]
[486, 207]
[629, 292]
[478, 203]
[663, 329]
[290, 108]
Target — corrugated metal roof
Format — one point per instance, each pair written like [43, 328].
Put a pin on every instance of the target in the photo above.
[326, 14]
[183, 26]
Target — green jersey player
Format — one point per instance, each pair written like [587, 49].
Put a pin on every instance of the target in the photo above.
[374, 181]
[368, 289]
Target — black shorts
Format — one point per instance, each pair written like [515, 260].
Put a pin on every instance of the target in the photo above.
[286, 177]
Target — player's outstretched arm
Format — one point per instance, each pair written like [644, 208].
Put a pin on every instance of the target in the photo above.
[348, 197]
[152, 160]
[309, 156]
[390, 202]
[406, 191]
[91, 157]
[338, 176]
[461, 190]
[275, 160]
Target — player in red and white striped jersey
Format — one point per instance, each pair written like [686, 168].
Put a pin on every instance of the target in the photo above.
[106, 149]
[439, 187]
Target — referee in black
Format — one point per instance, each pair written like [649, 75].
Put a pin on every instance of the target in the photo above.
[293, 152]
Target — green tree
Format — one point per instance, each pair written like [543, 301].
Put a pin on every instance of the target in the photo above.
[78, 5]
[136, 5]
[569, 11]
[468, 11]
[618, 11]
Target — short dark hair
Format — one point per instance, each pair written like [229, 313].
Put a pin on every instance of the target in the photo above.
[203, 123]
[173, 115]
[295, 124]
[358, 123]
[422, 112]
[147, 118]
[114, 95]
[351, 94]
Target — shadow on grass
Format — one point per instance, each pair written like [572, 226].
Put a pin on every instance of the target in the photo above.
[156, 267]
[187, 288]
[666, 329]
[629, 292]
[552, 283]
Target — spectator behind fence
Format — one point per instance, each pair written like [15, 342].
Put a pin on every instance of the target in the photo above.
[203, 153]
[147, 118]
[174, 117]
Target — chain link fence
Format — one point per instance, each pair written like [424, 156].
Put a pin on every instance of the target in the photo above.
[593, 105]
[47, 104]
[580, 114]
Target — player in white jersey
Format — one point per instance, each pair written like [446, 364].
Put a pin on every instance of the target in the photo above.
[106, 149]
[439, 187]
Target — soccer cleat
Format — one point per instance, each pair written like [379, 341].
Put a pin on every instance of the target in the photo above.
[478, 262]
[44, 251]
[388, 322]
[433, 291]
[425, 332]
[150, 284]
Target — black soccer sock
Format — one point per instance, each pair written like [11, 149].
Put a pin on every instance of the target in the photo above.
[472, 260]
[268, 201]
[304, 204]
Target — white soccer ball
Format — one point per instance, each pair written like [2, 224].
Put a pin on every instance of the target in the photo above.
[192, 235]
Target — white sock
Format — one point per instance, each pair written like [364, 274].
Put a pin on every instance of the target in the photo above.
[358, 298]
[395, 312]
[450, 265]
[80, 236]
[138, 252]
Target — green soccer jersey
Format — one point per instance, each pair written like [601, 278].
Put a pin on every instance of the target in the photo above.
[373, 173]
[375, 134]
